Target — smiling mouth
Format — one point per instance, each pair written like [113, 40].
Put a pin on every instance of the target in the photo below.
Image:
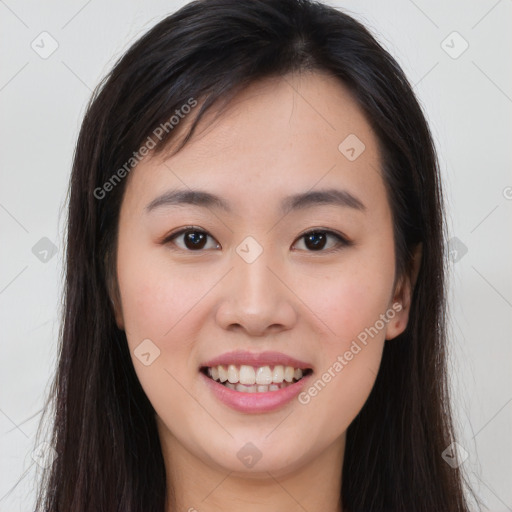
[252, 379]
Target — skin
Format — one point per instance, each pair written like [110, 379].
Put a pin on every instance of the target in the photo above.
[278, 137]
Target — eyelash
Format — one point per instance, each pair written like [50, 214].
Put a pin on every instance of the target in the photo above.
[342, 241]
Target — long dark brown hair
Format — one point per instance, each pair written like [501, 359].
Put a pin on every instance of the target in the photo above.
[108, 453]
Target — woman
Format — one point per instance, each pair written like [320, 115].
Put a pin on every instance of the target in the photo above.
[254, 309]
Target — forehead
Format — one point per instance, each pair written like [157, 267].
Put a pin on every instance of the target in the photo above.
[279, 136]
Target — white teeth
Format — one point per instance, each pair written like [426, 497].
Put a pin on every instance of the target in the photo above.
[278, 375]
[255, 388]
[247, 375]
[249, 379]
[245, 389]
[288, 374]
[223, 373]
[233, 374]
[264, 375]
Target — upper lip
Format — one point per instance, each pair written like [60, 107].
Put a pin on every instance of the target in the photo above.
[257, 359]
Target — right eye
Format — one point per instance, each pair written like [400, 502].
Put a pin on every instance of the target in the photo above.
[193, 239]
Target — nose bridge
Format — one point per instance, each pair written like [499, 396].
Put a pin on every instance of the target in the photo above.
[255, 280]
[256, 299]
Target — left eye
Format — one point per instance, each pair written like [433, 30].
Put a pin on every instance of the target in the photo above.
[317, 240]
[194, 239]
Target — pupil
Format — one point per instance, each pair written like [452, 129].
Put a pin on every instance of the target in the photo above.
[315, 241]
[195, 240]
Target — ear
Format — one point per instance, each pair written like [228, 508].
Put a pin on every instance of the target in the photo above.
[402, 296]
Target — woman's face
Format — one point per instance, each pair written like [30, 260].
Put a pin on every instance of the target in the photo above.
[291, 156]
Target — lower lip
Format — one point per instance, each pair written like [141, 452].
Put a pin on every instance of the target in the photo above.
[255, 402]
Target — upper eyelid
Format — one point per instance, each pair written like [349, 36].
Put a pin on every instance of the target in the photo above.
[184, 230]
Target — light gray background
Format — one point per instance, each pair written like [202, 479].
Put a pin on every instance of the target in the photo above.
[468, 101]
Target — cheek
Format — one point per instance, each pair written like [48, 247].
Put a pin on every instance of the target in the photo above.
[155, 295]
[351, 305]
[352, 348]
[354, 296]
[163, 305]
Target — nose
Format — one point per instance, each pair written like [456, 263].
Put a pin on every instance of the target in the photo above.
[255, 299]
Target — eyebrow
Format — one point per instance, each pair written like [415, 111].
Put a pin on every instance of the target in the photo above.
[304, 200]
